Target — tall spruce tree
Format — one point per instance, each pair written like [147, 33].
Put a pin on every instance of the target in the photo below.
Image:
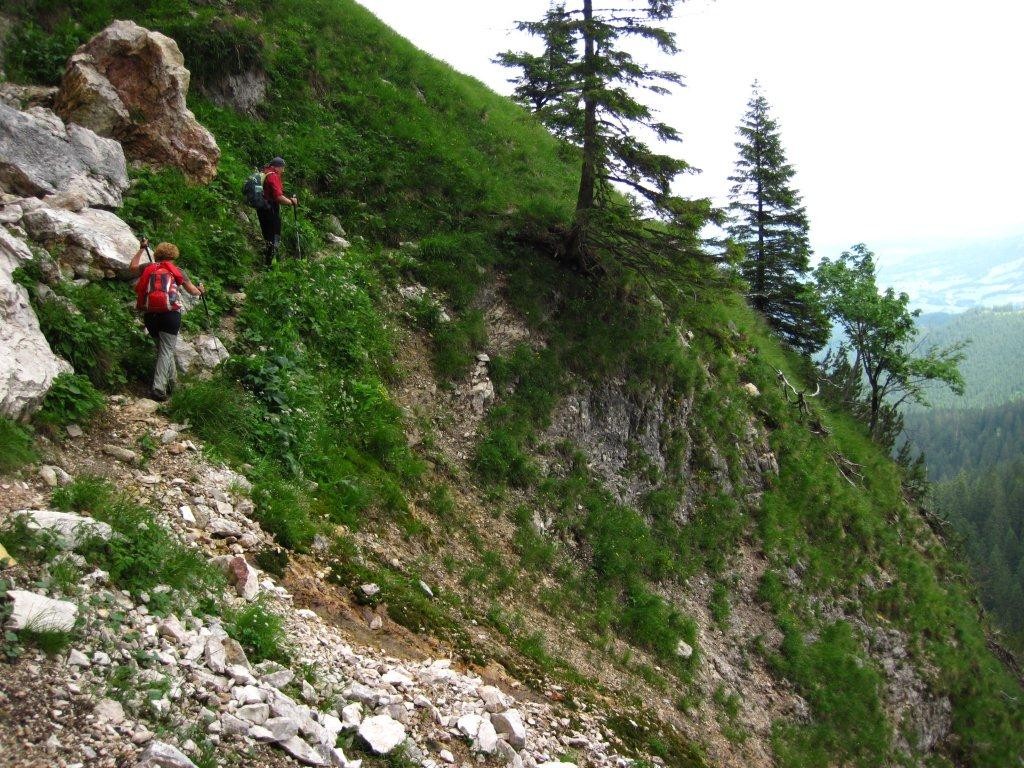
[768, 220]
[582, 87]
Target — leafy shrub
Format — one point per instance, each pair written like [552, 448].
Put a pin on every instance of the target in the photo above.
[260, 632]
[26, 544]
[98, 333]
[224, 47]
[501, 458]
[843, 690]
[650, 622]
[71, 399]
[16, 447]
[453, 262]
[36, 56]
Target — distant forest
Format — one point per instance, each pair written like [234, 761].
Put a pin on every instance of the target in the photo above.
[967, 440]
[987, 509]
[974, 450]
[994, 366]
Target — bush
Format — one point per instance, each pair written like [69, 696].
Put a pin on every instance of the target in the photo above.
[16, 447]
[72, 399]
[93, 328]
[260, 632]
[36, 56]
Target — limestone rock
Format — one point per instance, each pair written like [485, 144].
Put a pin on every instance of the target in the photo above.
[109, 711]
[92, 242]
[68, 529]
[203, 353]
[27, 364]
[39, 156]
[38, 612]
[751, 389]
[160, 755]
[130, 83]
[303, 752]
[494, 700]
[510, 724]
[242, 91]
[382, 733]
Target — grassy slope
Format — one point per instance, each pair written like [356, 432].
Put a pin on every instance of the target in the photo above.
[400, 147]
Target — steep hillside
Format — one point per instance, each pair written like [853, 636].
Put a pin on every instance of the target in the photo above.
[447, 444]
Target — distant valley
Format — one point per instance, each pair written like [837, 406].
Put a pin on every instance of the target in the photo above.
[957, 276]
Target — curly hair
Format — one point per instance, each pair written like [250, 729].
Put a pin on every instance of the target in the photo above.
[165, 252]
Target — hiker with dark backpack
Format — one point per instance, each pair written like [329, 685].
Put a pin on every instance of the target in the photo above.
[268, 205]
[156, 296]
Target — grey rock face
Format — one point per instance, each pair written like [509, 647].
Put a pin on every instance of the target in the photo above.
[242, 92]
[39, 156]
[93, 243]
[27, 364]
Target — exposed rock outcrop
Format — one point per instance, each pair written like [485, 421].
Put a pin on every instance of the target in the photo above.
[93, 243]
[242, 92]
[130, 83]
[39, 156]
[27, 365]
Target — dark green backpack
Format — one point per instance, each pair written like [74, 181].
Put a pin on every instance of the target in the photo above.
[252, 190]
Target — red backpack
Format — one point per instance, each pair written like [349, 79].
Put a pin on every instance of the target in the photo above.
[157, 290]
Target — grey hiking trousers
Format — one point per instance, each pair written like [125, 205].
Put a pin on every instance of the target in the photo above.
[164, 327]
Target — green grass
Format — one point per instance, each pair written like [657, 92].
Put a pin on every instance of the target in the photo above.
[141, 554]
[401, 148]
[16, 448]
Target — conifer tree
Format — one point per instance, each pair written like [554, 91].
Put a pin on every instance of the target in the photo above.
[768, 220]
[582, 87]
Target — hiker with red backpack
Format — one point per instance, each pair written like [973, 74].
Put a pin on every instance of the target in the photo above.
[268, 205]
[156, 296]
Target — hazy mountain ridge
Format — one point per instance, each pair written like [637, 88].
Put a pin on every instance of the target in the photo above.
[956, 277]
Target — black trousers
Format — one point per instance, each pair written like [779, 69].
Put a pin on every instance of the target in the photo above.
[270, 226]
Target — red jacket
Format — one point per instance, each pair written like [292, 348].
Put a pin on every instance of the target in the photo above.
[273, 187]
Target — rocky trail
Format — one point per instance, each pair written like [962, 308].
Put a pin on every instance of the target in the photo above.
[139, 688]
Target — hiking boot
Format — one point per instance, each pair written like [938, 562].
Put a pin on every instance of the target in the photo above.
[159, 396]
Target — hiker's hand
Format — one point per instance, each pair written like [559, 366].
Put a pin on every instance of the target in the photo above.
[295, 201]
[202, 289]
[144, 243]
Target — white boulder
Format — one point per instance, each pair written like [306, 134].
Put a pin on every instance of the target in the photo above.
[160, 755]
[382, 733]
[203, 353]
[69, 529]
[92, 242]
[27, 364]
[40, 613]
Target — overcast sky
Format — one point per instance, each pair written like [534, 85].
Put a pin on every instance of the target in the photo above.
[903, 118]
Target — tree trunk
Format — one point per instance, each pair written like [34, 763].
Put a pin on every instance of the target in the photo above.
[760, 294]
[588, 175]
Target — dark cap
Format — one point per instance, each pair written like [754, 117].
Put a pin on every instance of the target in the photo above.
[277, 162]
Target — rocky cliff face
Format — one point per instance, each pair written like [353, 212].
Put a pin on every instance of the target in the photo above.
[130, 83]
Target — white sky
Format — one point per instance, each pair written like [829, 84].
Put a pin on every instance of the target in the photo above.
[903, 118]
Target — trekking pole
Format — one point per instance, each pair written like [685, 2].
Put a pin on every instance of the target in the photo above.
[207, 308]
[146, 248]
[295, 220]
